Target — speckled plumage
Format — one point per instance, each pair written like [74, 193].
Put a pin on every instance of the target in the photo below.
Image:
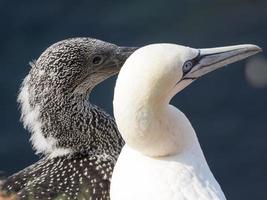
[75, 177]
[80, 142]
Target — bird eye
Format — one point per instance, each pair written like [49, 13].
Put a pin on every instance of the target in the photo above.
[97, 60]
[187, 66]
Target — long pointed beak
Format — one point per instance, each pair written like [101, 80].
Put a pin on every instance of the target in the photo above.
[214, 58]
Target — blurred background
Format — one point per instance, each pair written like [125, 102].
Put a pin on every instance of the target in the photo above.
[228, 108]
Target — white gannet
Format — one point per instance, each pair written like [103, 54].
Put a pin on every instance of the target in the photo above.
[162, 158]
[80, 141]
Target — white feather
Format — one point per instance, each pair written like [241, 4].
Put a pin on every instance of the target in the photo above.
[184, 176]
[31, 121]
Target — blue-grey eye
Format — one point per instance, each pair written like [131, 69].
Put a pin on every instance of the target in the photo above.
[187, 66]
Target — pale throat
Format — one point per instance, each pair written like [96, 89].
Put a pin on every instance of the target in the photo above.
[32, 120]
[154, 127]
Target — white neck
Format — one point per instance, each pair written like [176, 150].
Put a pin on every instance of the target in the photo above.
[153, 127]
[159, 140]
[146, 120]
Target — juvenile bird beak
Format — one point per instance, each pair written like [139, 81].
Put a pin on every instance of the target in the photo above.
[114, 64]
[123, 53]
[211, 59]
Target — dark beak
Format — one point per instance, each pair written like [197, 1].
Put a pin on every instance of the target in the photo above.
[123, 53]
[114, 63]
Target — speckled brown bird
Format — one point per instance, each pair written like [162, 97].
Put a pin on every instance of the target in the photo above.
[79, 141]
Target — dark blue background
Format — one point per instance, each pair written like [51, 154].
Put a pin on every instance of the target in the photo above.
[229, 114]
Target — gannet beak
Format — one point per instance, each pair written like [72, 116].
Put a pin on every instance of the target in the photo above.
[123, 53]
[114, 64]
[214, 58]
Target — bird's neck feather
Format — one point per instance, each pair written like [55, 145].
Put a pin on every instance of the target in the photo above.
[60, 123]
[154, 128]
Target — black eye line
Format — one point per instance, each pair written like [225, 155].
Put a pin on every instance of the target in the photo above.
[197, 59]
[211, 54]
[194, 61]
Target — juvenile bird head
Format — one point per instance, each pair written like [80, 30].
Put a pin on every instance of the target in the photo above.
[55, 92]
[77, 65]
